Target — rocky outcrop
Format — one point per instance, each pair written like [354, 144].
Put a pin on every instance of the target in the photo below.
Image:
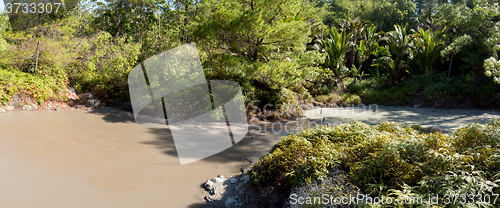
[225, 191]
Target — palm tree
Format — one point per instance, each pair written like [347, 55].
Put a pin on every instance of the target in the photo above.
[335, 45]
[400, 45]
[366, 47]
[357, 28]
[428, 48]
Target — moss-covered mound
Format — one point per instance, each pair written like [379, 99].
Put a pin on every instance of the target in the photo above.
[392, 160]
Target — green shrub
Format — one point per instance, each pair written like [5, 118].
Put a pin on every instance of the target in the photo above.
[26, 84]
[294, 159]
[432, 85]
[330, 98]
[351, 99]
[390, 159]
[105, 65]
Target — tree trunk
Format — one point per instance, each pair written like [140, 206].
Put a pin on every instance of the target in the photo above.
[449, 70]
[350, 58]
[37, 53]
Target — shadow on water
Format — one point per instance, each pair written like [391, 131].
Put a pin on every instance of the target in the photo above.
[114, 115]
[446, 119]
[165, 142]
[197, 205]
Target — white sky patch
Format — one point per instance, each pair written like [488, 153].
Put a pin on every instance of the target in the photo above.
[2, 6]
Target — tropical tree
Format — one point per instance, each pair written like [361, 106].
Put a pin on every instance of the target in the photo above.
[427, 47]
[382, 13]
[253, 29]
[156, 25]
[357, 28]
[400, 45]
[366, 48]
[260, 44]
[336, 45]
[478, 19]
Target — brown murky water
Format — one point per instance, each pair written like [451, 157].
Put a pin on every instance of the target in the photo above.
[99, 159]
[103, 158]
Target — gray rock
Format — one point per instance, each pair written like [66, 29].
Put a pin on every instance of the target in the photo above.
[245, 178]
[209, 185]
[246, 168]
[208, 198]
[9, 108]
[232, 202]
[240, 188]
[3, 110]
[218, 179]
[95, 103]
[233, 180]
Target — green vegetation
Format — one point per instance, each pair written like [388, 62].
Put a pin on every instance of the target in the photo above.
[285, 53]
[281, 52]
[389, 159]
[29, 85]
[429, 87]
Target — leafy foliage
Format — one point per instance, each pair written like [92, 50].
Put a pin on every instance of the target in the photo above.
[428, 48]
[25, 84]
[492, 67]
[389, 159]
[336, 44]
[105, 65]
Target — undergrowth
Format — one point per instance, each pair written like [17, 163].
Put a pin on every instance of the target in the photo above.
[433, 86]
[15, 82]
[391, 160]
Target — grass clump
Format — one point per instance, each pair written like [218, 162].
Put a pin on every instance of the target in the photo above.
[330, 98]
[348, 98]
[390, 160]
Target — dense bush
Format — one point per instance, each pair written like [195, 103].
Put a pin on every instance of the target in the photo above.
[433, 86]
[19, 83]
[345, 99]
[105, 64]
[389, 159]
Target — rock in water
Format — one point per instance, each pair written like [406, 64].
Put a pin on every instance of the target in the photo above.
[218, 179]
[209, 185]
